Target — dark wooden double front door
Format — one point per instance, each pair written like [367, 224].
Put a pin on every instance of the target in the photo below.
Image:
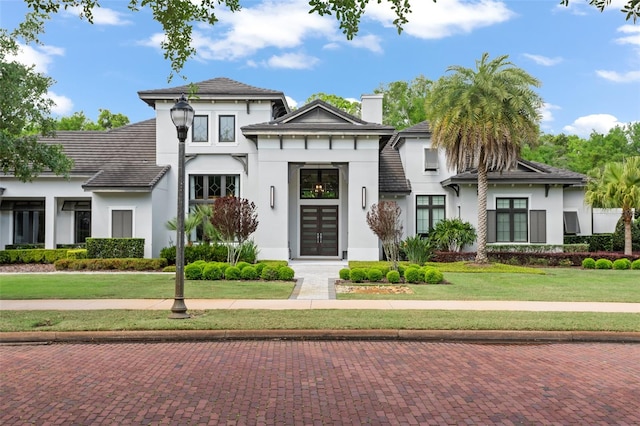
[318, 230]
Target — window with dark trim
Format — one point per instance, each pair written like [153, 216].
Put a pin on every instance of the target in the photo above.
[200, 129]
[571, 223]
[430, 209]
[82, 226]
[319, 183]
[226, 128]
[28, 222]
[511, 220]
[204, 189]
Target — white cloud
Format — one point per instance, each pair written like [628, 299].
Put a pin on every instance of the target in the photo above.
[547, 112]
[633, 37]
[63, 105]
[600, 123]
[616, 77]
[266, 25]
[102, 16]
[292, 102]
[40, 56]
[297, 61]
[430, 20]
[543, 60]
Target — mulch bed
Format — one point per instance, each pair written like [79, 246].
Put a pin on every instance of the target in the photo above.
[373, 289]
[28, 267]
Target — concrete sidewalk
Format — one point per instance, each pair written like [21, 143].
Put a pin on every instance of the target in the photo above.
[270, 304]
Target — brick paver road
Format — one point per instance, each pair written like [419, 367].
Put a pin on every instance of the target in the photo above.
[332, 382]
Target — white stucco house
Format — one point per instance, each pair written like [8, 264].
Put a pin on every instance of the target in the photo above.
[313, 174]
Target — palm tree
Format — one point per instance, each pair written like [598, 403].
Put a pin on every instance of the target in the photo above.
[617, 186]
[481, 118]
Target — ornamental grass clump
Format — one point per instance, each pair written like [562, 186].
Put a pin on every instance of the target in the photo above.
[604, 264]
[589, 263]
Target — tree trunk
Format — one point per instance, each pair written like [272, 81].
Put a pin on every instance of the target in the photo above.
[627, 215]
[481, 254]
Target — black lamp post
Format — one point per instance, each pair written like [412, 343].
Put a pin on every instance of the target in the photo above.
[182, 117]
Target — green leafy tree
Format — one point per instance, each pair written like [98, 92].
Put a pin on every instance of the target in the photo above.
[25, 115]
[384, 220]
[481, 118]
[403, 104]
[178, 17]
[617, 186]
[351, 107]
[106, 121]
[582, 155]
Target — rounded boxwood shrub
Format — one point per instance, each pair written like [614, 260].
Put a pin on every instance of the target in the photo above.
[193, 271]
[414, 275]
[604, 264]
[285, 273]
[344, 274]
[248, 273]
[259, 267]
[589, 263]
[357, 275]
[211, 272]
[374, 274]
[170, 268]
[433, 276]
[621, 264]
[269, 273]
[393, 277]
[242, 265]
[635, 264]
[232, 273]
[401, 269]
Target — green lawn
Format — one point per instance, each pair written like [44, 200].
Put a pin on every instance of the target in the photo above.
[316, 319]
[557, 284]
[133, 286]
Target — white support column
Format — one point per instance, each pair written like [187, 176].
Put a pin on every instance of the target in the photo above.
[50, 212]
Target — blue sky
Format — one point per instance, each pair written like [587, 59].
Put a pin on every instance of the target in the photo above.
[588, 61]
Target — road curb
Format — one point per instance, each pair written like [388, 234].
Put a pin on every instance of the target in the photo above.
[476, 336]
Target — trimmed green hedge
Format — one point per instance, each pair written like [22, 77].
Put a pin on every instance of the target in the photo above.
[115, 248]
[32, 255]
[127, 264]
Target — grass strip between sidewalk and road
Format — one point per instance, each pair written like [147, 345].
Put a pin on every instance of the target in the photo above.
[119, 320]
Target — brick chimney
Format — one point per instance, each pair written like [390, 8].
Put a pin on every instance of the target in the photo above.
[371, 109]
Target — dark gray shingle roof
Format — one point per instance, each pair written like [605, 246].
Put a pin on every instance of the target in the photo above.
[218, 88]
[302, 121]
[120, 158]
[391, 177]
[525, 172]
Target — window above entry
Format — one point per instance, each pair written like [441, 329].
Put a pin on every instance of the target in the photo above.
[200, 129]
[226, 128]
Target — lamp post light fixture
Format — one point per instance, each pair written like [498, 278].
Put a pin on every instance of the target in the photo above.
[182, 117]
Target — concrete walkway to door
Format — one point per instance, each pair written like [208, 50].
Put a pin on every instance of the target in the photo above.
[315, 278]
